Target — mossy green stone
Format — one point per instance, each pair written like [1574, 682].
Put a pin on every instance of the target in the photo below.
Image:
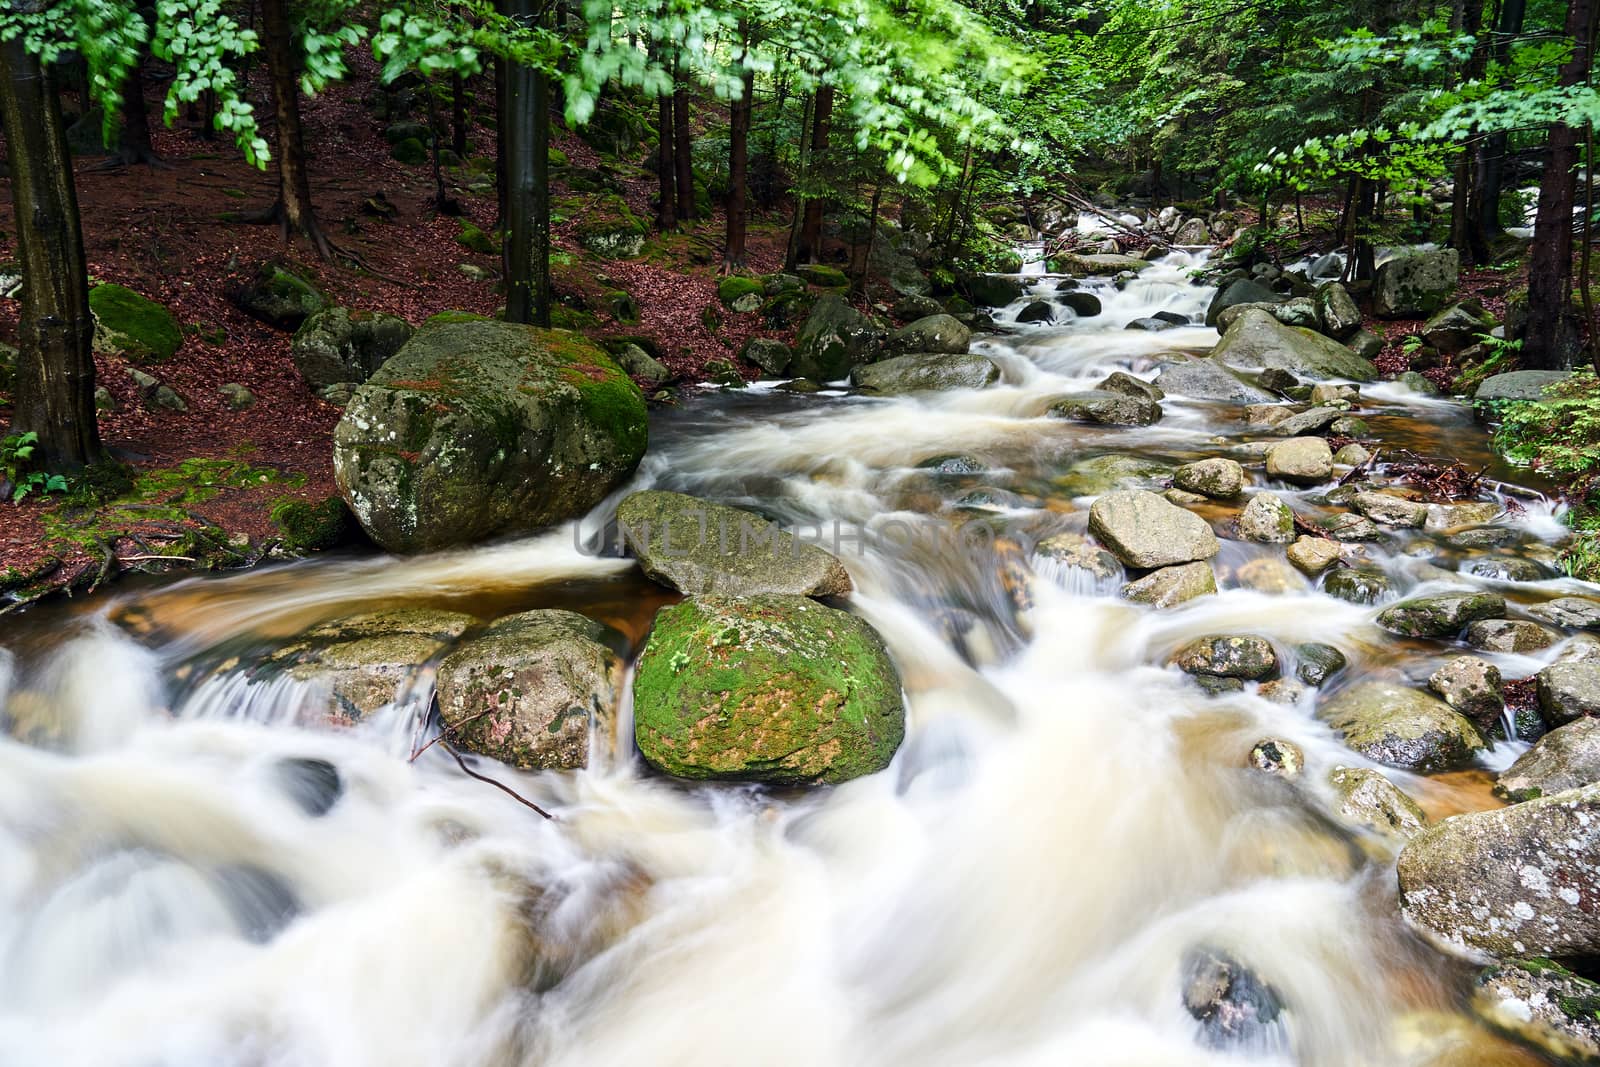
[775, 689]
[307, 527]
[129, 324]
[474, 239]
[480, 429]
[732, 288]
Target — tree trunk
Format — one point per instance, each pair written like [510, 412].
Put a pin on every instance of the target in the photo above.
[666, 166]
[293, 209]
[862, 268]
[53, 394]
[733, 254]
[1549, 339]
[682, 144]
[1467, 17]
[809, 246]
[1492, 154]
[791, 255]
[133, 145]
[525, 120]
[458, 116]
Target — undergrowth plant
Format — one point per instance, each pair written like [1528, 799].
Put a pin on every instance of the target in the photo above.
[1560, 436]
[16, 452]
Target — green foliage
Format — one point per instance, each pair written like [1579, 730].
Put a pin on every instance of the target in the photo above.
[16, 455]
[1560, 435]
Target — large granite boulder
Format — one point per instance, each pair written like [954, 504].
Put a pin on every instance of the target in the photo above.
[1257, 339]
[935, 333]
[1415, 283]
[479, 429]
[1144, 530]
[925, 372]
[1562, 759]
[1402, 727]
[1209, 379]
[340, 345]
[834, 339]
[768, 688]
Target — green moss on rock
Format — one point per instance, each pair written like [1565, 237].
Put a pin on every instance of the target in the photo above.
[133, 326]
[770, 688]
[307, 527]
[474, 239]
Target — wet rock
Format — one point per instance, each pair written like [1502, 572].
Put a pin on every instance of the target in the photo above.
[1415, 283]
[773, 357]
[1580, 648]
[1171, 586]
[1340, 315]
[1518, 385]
[1510, 635]
[1201, 378]
[1038, 311]
[1256, 339]
[1457, 326]
[913, 306]
[1351, 528]
[1149, 325]
[1302, 460]
[1286, 691]
[1229, 656]
[834, 339]
[1442, 517]
[1565, 758]
[340, 345]
[1444, 615]
[954, 463]
[313, 784]
[1370, 801]
[1571, 612]
[989, 290]
[1183, 498]
[1143, 530]
[1128, 385]
[1513, 881]
[1191, 233]
[1106, 409]
[1115, 470]
[1267, 415]
[1308, 422]
[1083, 304]
[1266, 519]
[1568, 691]
[1402, 728]
[1099, 265]
[924, 372]
[936, 333]
[1415, 382]
[1278, 380]
[1351, 455]
[532, 690]
[1335, 393]
[479, 429]
[1542, 1005]
[1233, 1006]
[1313, 555]
[1070, 551]
[369, 659]
[1219, 479]
[1482, 537]
[1471, 686]
[1391, 510]
[770, 688]
[1243, 291]
[1317, 662]
[1505, 569]
[1365, 344]
[800, 385]
[1349, 426]
[698, 547]
[1277, 757]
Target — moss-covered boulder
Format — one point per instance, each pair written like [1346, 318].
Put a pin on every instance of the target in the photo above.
[1543, 1005]
[533, 691]
[132, 326]
[834, 339]
[822, 276]
[307, 527]
[1416, 283]
[278, 297]
[340, 345]
[482, 429]
[769, 689]
[1444, 615]
[609, 229]
[925, 372]
[698, 547]
[1402, 727]
[474, 238]
[1257, 339]
[741, 294]
[368, 660]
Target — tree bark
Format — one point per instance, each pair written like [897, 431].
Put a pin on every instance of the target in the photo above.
[666, 165]
[53, 394]
[458, 116]
[1464, 236]
[791, 256]
[1550, 339]
[133, 146]
[1492, 154]
[809, 246]
[525, 120]
[293, 210]
[733, 253]
[682, 142]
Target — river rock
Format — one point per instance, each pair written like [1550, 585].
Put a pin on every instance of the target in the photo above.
[1309, 422]
[1568, 691]
[1228, 656]
[1340, 315]
[1115, 470]
[1391, 510]
[1350, 527]
[1266, 519]
[1266, 416]
[1312, 555]
[339, 345]
[1543, 1005]
[1201, 378]
[1445, 517]
[1256, 339]
[1233, 1006]
[697, 547]
[1444, 615]
[1471, 686]
[1083, 304]
[1402, 727]
[1106, 409]
[1143, 530]
[834, 339]
[1302, 460]
[936, 333]
[1277, 757]
[1415, 283]
[1126, 384]
[991, 290]
[1456, 327]
[1100, 265]
[1037, 311]
[1191, 233]
[368, 660]
[925, 372]
[1510, 635]
[479, 429]
[773, 357]
[1370, 801]
[1219, 479]
[1365, 344]
[532, 691]
[775, 689]
[1357, 585]
[1171, 586]
[1518, 385]
[1565, 758]
[1513, 881]
[1571, 612]
[1317, 662]
[1149, 324]
[1072, 551]
[1243, 291]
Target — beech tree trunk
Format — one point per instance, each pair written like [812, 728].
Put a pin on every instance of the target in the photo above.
[1550, 340]
[53, 394]
[1492, 155]
[1467, 17]
[684, 160]
[809, 245]
[458, 116]
[293, 210]
[525, 164]
[733, 253]
[133, 146]
[666, 165]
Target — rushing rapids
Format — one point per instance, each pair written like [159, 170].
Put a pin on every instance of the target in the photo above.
[199, 869]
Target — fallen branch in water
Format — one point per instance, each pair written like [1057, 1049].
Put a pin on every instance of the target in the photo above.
[506, 789]
[1361, 468]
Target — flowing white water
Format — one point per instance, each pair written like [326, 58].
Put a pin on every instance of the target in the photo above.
[181, 883]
